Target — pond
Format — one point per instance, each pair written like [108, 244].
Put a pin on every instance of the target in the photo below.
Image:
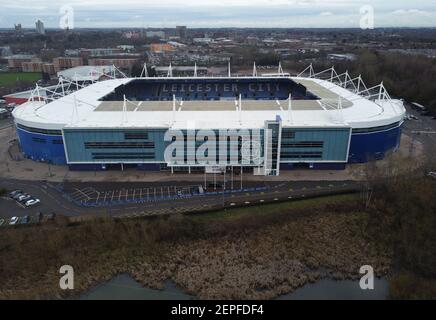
[124, 287]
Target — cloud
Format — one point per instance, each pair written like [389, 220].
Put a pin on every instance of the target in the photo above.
[219, 13]
[411, 11]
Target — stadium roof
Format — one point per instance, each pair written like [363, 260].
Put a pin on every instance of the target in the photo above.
[83, 109]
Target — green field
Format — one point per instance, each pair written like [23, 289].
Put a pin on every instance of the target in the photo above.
[10, 78]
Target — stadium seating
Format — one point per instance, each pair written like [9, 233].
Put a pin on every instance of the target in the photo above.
[209, 89]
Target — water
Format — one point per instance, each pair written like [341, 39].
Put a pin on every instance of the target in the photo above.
[124, 287]
[327, 289]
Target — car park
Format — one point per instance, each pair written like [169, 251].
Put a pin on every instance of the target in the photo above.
[23, 198]
[13, 221]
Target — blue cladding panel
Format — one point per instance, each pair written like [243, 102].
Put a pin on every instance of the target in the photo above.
[363, 148]
[371, 146]
[115, 145]
[314, 145]
[41, 147]
[313, 166]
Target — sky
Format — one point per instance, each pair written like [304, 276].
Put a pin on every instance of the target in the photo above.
[218, 13]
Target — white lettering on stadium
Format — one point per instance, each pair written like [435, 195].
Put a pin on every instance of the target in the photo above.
[226, 87]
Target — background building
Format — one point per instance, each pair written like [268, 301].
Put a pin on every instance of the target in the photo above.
[62, 63]
[181, 31]
[15, 62]
[40, 27]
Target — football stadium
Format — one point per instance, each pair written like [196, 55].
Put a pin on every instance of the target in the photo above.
[321, 120]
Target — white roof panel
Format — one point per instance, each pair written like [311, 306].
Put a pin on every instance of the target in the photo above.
[81, 110]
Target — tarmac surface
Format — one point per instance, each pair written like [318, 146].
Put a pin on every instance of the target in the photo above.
[54, 201]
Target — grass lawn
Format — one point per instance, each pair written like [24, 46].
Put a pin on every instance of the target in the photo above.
[8, 78]
[267, 209]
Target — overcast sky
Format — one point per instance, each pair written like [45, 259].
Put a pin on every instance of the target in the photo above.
[219, 13]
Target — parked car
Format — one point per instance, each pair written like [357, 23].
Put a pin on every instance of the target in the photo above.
[432, 175]
[25, 220]
[31, 202]
[24, 198]
[13, 221]
[14, 193]
[17, 195]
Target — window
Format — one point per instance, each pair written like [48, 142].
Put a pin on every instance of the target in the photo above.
[301, 155]
[39, 140]
[136, 135]
[119, 145]
[286, 134]
[303, 144]
[123, 156]
[374, 129]
[42, 131]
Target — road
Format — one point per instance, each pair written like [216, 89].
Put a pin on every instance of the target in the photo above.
[423, 124]
[53, 201]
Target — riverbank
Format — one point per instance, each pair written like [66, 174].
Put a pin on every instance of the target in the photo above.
[224, 255]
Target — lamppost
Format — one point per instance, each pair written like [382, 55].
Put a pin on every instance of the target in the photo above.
[224, 186]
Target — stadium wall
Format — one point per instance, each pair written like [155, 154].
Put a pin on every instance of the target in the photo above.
[363, 147]
[42, 147]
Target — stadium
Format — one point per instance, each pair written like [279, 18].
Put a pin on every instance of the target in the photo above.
[321, 120]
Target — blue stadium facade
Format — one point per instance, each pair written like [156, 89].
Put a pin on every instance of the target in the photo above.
[293, 147]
